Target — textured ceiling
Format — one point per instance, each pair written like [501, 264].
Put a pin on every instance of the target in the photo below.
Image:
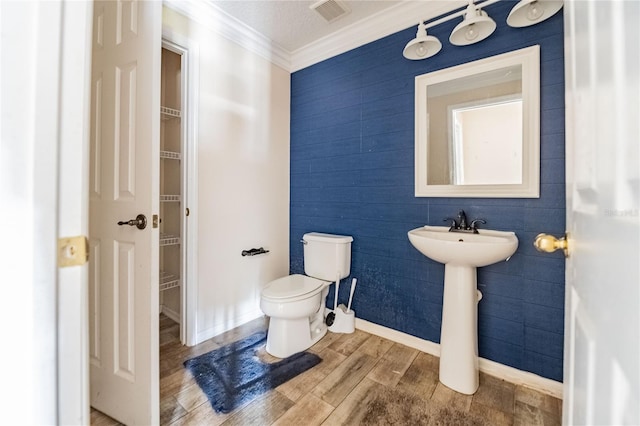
[292, 24]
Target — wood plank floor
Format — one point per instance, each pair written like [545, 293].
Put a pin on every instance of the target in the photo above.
[336, 391]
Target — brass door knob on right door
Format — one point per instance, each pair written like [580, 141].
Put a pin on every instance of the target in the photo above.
[548, 243]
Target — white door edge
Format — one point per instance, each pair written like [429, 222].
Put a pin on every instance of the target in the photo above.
[602, 295]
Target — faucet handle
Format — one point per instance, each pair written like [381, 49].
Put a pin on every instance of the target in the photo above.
[452, 222]
[474, 226]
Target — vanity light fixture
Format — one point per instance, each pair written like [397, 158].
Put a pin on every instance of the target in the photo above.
[477, 25]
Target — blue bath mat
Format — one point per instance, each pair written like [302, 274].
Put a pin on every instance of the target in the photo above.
[233, 374]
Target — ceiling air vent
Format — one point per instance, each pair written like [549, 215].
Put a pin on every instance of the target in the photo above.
[330, 10]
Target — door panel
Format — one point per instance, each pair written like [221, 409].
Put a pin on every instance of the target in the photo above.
[124, 183]
[124, 321]
[124, 129]
[95, 336]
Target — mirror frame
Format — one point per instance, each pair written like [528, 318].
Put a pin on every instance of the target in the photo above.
[529, 59]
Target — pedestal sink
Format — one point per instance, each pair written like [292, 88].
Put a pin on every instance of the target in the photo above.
[461, 254]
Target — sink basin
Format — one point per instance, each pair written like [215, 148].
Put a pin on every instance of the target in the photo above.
[485, 248]
[461, 254]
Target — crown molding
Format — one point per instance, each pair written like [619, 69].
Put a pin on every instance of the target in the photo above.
[379, 25]
[386, 22]
[218, 21]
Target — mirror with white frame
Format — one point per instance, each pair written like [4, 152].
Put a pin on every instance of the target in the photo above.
[478, 128]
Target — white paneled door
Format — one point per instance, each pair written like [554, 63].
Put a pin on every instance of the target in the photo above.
[602, 340]
[124, 168]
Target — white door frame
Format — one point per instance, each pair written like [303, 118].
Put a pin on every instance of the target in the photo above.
[189, 277]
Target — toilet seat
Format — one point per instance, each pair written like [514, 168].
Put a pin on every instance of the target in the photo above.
[292, 288]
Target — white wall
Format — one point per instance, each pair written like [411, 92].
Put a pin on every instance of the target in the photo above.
[243, 175]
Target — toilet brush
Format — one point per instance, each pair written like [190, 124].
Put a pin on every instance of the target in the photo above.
[331, 317]
[353, 288]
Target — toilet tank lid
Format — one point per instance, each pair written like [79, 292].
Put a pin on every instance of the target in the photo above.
[327, 238]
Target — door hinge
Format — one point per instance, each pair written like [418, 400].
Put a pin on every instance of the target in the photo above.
[73, 251]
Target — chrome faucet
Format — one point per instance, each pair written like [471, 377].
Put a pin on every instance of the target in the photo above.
[461, 225]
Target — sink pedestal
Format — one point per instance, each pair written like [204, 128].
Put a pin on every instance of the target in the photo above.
[459, 333]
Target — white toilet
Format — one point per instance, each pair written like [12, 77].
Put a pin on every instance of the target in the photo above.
[295, 304]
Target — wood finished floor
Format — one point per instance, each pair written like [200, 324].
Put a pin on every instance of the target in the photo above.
[334, 392]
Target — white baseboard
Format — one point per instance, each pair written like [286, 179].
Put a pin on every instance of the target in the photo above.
[399, 337]
[175, 316]
[501, 371]
[227, 325]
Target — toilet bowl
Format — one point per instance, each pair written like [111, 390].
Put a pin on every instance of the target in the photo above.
[295, 304]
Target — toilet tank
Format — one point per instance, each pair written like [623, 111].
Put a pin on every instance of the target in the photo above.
[327, 255]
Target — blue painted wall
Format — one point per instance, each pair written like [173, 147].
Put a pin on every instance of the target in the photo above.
[352, 171]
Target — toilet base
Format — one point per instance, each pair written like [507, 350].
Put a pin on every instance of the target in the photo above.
[289, 336]
[295, 326]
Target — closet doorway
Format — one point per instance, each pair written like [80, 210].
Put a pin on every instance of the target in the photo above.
[175, 210]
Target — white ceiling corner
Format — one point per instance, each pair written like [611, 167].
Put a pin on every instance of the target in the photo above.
[208, 15]
[368, 21]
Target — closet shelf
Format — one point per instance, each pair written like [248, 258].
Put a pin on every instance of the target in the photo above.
[168, 240]
[168, 280]
[170, 155]
[168, 113]
[169, 198]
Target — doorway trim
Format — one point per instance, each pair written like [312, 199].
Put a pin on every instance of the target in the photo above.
[189, 81]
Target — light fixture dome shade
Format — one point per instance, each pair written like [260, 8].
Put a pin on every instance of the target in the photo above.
[475, 27]
[530, 12]
[423, 46]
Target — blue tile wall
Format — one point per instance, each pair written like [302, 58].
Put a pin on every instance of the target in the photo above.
[352, 171]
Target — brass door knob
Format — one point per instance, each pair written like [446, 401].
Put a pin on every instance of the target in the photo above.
[548, 244]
